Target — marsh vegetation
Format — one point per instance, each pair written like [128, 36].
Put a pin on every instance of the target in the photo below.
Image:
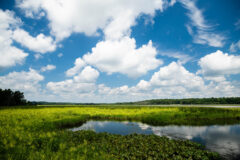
[40, 132]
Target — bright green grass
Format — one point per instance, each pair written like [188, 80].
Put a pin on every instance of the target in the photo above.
[38, 132]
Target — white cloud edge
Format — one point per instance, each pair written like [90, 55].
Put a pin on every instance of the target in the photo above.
[48, 67]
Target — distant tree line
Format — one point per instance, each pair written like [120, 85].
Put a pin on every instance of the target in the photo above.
[222, 100]
[59, 103]
[11, 98]
[14, 98]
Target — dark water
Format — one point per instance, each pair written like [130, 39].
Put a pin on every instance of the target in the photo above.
[222, 139]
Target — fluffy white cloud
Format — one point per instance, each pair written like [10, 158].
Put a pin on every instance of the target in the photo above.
[143, 85]
[122, 56]
[27, 82]
[199, 29]
[176, 75]
[10, 55]
[222, 88]
[79, 85]
[216, 78]
[123, 90]
[235, 46]
[88, 74]
[10, 31]
[78, 65]
[48, 67]
[118, 94]
[218, 64]
[40, 43]
[171, 81]
[69, 16]
[118, 52]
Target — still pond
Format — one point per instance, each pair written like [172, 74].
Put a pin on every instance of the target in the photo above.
[224, 139]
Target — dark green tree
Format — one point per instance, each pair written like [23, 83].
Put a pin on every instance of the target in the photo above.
[11, 98]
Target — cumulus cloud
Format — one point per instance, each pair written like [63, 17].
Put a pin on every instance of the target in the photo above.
[40, 43]
[123, 90]
[67, 17]
[218, 64]
[25, 81]
[88, 74]
[48, 67]
[10, 32]
[117, 52]
[171, 81]
[10, 55]
[118, 94]
[176, 75]
[122, 56]
[222, 88]
[143, 85]
[235, 46]
[78, 65]
[199, 28]
[80, 85]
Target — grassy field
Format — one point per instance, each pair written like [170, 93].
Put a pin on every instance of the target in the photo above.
[38, 132]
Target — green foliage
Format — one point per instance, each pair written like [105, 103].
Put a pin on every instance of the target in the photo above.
[222, 100]
[40, 133]
[10, 98]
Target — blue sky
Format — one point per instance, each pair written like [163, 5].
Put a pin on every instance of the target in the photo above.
[113, 51]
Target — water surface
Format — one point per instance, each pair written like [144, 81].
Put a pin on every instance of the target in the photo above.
[224, 139]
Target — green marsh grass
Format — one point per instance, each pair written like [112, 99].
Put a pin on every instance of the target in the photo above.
[39, 132]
